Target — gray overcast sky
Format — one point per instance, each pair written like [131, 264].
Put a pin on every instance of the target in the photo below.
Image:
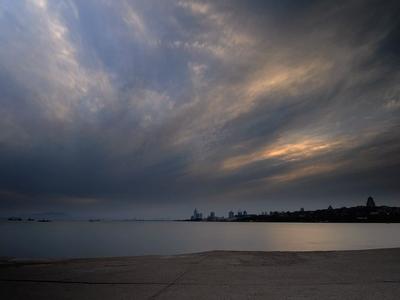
[150, 108]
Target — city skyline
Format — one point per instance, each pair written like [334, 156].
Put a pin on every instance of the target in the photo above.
[148, 108]
[369, 212]
[197, 213]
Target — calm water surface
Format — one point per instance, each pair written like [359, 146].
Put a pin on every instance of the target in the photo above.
[96, 239]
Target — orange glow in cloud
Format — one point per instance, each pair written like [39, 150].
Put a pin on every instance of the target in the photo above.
[286, 152]
[286, 78]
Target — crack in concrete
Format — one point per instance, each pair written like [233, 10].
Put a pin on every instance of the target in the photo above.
[174, 282]
[81, 282]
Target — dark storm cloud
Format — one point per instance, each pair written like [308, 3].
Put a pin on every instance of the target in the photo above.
[159, 106]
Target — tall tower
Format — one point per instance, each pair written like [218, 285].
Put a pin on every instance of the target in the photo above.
[370, 202]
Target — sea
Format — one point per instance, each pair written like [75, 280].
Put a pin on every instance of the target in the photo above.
[83, 239]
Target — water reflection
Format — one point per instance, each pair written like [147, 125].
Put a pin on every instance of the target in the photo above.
[95, 239]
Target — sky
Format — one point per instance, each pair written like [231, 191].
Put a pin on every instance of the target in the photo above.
[151, 108]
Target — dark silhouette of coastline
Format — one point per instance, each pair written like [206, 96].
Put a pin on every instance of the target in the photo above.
[369, 213]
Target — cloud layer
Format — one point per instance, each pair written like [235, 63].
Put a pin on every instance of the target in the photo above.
[150, 108]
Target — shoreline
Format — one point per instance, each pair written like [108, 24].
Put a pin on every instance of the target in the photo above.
[4, 220]
[4, 260]
[344, 274]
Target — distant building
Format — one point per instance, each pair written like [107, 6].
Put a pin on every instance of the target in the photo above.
[231, 215]
[245, 213]
[196, 215]
[370, 202]
[212, 217]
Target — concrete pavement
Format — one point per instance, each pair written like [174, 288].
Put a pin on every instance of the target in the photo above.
[366, 274]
